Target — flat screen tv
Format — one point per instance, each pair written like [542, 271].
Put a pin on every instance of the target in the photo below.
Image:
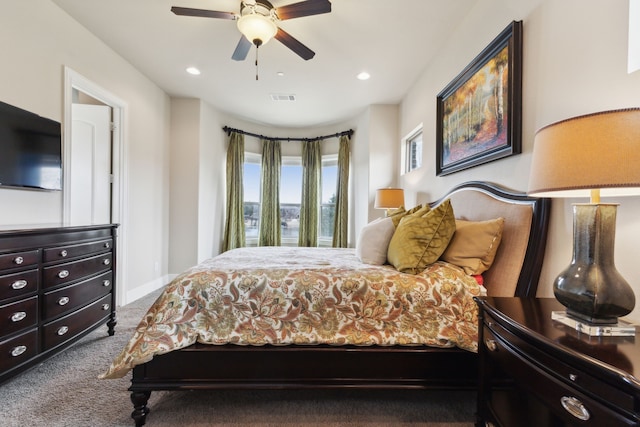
[30, 150]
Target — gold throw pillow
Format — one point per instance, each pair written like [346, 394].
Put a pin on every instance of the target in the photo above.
[420, 240]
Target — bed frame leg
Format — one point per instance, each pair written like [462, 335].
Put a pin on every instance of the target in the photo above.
[140, 411]
[111, 324]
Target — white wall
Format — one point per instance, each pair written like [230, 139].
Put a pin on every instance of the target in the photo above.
[212, 194]
[38, 40]
[184, 183]
[198, 153]
[575, 62]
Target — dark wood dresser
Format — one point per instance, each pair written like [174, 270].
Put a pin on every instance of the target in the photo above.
[537, 372]
[56, 286]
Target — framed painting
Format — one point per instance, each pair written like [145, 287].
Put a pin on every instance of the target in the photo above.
[479, 114]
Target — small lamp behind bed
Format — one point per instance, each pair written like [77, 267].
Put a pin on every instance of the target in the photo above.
[593, 155]
[389, 198]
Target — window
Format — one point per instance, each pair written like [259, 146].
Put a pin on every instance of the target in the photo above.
[413, 150]
[290, 198]
[251, 188]
[328, 199]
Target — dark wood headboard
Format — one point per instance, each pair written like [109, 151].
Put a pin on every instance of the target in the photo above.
[516, 269]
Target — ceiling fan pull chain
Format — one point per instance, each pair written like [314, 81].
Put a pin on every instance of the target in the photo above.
[257, 48]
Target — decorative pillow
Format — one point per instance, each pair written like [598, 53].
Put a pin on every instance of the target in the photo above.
[373, 241]
[396, 215]
[416, 210]
[474, 245]
[420, 240]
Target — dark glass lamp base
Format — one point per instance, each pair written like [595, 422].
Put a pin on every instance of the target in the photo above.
[590, 320]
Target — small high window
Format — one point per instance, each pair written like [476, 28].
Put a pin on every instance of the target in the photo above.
[413, 150]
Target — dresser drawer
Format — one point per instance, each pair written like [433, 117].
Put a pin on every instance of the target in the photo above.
[72, 271]
[18, 315]
[567, 402]
[18, 350]
[63, 329]
[71, 297]
[19, 259]
[17, 284]
[61, 253]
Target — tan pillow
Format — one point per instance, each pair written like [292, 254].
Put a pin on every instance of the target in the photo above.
[420, 240]
[474, 245]
[373, 241]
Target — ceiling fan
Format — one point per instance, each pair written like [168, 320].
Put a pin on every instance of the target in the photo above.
[257, 21]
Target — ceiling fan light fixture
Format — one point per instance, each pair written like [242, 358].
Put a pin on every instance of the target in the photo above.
[257, 28]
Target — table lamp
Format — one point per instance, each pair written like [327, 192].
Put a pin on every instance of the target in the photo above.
[389, 198]
[590, 156]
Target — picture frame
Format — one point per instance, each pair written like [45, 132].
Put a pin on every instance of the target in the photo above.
[479, 114]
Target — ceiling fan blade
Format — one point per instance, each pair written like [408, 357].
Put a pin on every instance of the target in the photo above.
[301, 50]
[187, 11]
[303, 8]
[242, 49]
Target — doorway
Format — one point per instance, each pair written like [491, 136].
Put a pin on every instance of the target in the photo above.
[94, 186]
[90, 165]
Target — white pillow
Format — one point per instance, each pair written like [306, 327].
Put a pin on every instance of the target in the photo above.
[373, 241]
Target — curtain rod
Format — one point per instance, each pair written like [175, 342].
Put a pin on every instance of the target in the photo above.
[228, 130]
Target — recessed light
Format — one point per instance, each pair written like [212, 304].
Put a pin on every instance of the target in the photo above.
[364, 76]
[193, 70]
[280, 74]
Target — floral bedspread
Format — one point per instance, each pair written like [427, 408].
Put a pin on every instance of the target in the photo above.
[284, 295]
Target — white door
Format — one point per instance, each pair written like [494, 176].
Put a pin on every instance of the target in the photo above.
[90, 178]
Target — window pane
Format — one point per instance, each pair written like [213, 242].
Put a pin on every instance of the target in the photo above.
[328, 206]
[414, 152]
[251, 183]
[290, 198]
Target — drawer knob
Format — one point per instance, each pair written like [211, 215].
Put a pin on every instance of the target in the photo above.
[106, 261]
[19, 284]
[18, 316]
[17, 351]
[107, 245]
[105, 307]
[63, 253]
[491, 344]
[18, 260]
[573, 377]
[62, 330]
[63, 301]
[63, 274]
[576, 408]
[106, 283]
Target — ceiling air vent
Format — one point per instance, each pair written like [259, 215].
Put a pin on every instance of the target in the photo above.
[282, 97]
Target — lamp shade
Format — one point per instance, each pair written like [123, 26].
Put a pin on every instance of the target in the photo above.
[257, 28]
[595, 151]
[389, 198]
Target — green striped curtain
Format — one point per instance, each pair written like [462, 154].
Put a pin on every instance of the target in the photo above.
[270, 232]
[311, 167]
[341, 218]
[234, 226]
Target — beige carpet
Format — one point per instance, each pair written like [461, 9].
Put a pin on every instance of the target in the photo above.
[65, 391]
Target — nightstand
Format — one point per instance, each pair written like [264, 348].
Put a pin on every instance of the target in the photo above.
[537, 372]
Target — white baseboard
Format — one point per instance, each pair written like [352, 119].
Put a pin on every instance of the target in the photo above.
[147, 288]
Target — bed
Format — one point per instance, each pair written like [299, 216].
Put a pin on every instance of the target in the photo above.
[361, 357]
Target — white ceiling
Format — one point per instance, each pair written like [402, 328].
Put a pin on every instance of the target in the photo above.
[393, 40]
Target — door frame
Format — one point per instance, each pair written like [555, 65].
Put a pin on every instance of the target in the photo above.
[119, 196]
